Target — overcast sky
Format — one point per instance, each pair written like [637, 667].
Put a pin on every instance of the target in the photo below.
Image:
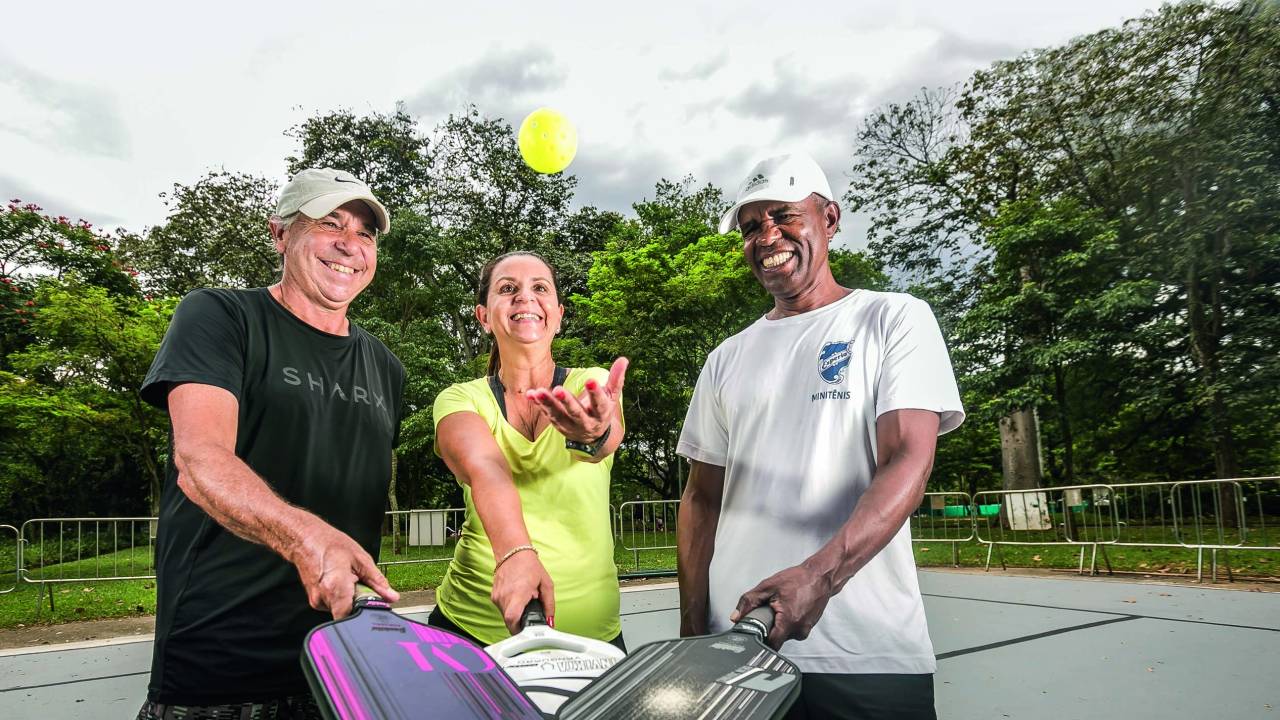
[104, 105]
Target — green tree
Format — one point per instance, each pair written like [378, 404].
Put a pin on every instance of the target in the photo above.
[34, 246]
[74, 436]
[386, 150]
[82, 374]
[1167, 127]
[214, 236]
[1163, 130]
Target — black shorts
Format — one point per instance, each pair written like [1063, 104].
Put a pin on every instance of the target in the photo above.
[864, 697]
[440, 620]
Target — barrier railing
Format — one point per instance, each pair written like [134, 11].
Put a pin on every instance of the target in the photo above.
[61, 550]
[945, 517]
[1211, 517]
[68, 550]
[419, 536]
[1225, 515]
[1076, 515]
[645, 525]
[1145, 513]
[12, 583]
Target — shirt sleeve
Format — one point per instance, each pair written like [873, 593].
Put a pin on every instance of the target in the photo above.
[705, 436]
[205, 344]
[916, 373]
[453, 399]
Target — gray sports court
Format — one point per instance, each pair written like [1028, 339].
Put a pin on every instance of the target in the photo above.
[1008, 647]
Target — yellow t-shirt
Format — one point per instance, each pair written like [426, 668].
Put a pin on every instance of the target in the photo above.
[566, 510]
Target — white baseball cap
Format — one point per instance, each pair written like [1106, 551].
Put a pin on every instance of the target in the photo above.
[785, 178]
[316, 192]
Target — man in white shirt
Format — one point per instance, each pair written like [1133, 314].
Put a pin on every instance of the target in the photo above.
[811, 435]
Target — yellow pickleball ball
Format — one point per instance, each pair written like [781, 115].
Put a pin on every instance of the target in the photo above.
[548, 141]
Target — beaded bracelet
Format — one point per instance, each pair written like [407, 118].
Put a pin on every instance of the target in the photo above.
[513, 551]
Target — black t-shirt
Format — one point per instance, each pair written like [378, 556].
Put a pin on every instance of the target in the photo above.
[319, 416]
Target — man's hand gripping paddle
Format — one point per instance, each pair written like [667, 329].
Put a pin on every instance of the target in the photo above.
[714, 677]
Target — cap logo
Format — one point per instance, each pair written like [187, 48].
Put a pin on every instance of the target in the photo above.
[338, 179]
[793, 180]
[755, 182]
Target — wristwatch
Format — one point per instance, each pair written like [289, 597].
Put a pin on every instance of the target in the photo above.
[589, 450]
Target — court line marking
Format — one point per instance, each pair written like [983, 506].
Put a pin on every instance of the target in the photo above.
[72, 682]
[1106, 612]
[1037, 636]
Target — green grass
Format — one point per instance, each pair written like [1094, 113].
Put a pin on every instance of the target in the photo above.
[123, 598]
[1152, 560]
[100, 599]
[76, 601]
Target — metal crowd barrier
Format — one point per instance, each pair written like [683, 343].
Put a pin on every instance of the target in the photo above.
[945, 517]
[1146, 514]
[1080, 515]
[1217, 516]
[647, 525]
[1225, 515]
[420, 536]
[17, 560]
[69, 550]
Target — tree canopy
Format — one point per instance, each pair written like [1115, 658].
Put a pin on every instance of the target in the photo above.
[1096, 226]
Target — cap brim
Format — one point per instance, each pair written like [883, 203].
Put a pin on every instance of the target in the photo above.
[321, 206]
[729, 221]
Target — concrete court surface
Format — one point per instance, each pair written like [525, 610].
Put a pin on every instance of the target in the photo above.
[1008, 647]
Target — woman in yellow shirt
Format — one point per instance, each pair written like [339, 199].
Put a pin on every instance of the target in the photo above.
[532, 446]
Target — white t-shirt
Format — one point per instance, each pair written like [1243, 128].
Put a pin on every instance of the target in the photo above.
[788, 407]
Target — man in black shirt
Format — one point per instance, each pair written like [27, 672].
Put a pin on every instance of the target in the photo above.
[284, 415]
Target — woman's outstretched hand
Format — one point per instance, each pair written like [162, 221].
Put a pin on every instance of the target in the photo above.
[584, 417]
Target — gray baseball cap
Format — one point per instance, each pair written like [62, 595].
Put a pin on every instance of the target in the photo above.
[787, 178]
[316, 192]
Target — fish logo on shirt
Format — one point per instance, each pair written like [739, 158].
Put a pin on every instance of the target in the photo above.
[833, 361]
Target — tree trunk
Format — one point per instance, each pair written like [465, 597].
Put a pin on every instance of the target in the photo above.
[1020, 449]
[1205, 325]
[145, 452]
[1064, 422]
[394, 504]
[1020, 452]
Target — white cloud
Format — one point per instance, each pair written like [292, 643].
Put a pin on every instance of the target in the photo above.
[65, 114]
[111, 103]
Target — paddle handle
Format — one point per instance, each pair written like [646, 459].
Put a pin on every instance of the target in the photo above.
[367, 596]
[758, 622]
[534, 614]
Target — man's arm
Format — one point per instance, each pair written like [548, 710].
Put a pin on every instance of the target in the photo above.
[329, 562]
[905, 443]
[695, 543]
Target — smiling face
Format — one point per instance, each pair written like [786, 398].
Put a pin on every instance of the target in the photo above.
[521, 303]
[786, 244]
[329, 260]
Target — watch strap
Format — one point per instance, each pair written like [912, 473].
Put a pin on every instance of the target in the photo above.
[589, 449]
